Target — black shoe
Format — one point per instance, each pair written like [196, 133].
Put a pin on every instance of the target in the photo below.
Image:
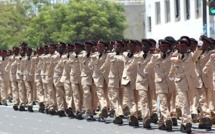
[168, 125]
[101, 119]
[0, 103]
[4, 103]
[15, 107]
[41, 107]
[104, 113]
[147, 124]
[162, 127]
[34, 103]
[52, 112]
[118, 120]
[61, 113]
[70, 113]
[194, 118]
[111, 113]
[186, 128]
[133, 121]
[174, 121]
[79, 116]
[30, 109]
[21, 108]
[154, 118]
[90, 118]
[47, 111]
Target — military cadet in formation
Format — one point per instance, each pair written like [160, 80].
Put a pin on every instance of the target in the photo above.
[124, 78]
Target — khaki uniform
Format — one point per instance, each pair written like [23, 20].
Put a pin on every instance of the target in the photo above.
[50, 62]
[87, 84]
[186, 80]
[129, 82]
[60, 92]
[65, 79]
[12, 68]
[28, 79]
[114, 65]
[75, 79]
[143, 85]
[7, 71]
[100, 79]
[164, 87]
[3, 79]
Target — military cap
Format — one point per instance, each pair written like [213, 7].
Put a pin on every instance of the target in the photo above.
[131, 42]
[45, 46]
[181, 41]
[102, 42]
[23, 43]
[15, 47]
[152, 40]
[187, 38]
[205, 38]
[212, 40]
[69, 44]
[29, 48]
[146, 41]
[194, 40]
[77, 44]
[61, 43]
[3, 50]
[52, 45]
[170, 39]
[119, 42]
[161, 42]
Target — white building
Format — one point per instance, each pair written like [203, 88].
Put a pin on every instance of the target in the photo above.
[173, 18]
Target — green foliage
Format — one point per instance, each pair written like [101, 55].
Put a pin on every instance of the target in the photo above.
[77, 20]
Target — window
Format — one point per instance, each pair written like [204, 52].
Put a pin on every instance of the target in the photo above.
[187, 9]
[177, 10]
[198, 8]
[158, 13]
[149, 24]
[167, 10]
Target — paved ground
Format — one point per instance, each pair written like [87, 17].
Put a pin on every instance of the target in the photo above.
[16, 122]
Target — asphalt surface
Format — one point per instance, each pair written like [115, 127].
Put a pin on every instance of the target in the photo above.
[16, 122]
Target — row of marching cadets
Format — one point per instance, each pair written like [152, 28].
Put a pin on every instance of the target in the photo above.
[122, 78]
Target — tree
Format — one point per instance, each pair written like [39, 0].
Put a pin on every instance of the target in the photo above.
[79, 20]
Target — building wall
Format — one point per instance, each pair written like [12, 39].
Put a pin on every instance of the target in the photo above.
[177, 27]
[135, 21]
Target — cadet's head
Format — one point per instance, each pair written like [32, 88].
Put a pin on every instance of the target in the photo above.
[9, 52]
[52, 48]
[193, 44]
[69, 47]
[15, 50]
[131, 46]
[146, 45]
[101, 45]
[29, 51]
[206, 42]
[46, 49]
[164, 46]
[172, 41]
[88, 46]
[153, 42]
[77, 47]
[39, 50]
[110, 45]
[118, 46]
[61, 47]
[22, 51]
[3, 53]
[182, 46]
[212, 46]
[23, 44]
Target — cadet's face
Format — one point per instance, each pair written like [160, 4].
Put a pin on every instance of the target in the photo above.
[164, 48]
[40, 51]
[51, 49]
[29, 52]
[193, 46]
[61, 49]
[131, 48]
[4, 54]
[69, 49]
[110, 47]
[138, 48]
[88, 48]
[206, 46]
[118, 48]
[15, 51]
[22, 51]
[182, 48]
[101, 48]
[145, 47]
[46, 50]
[77, 49]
